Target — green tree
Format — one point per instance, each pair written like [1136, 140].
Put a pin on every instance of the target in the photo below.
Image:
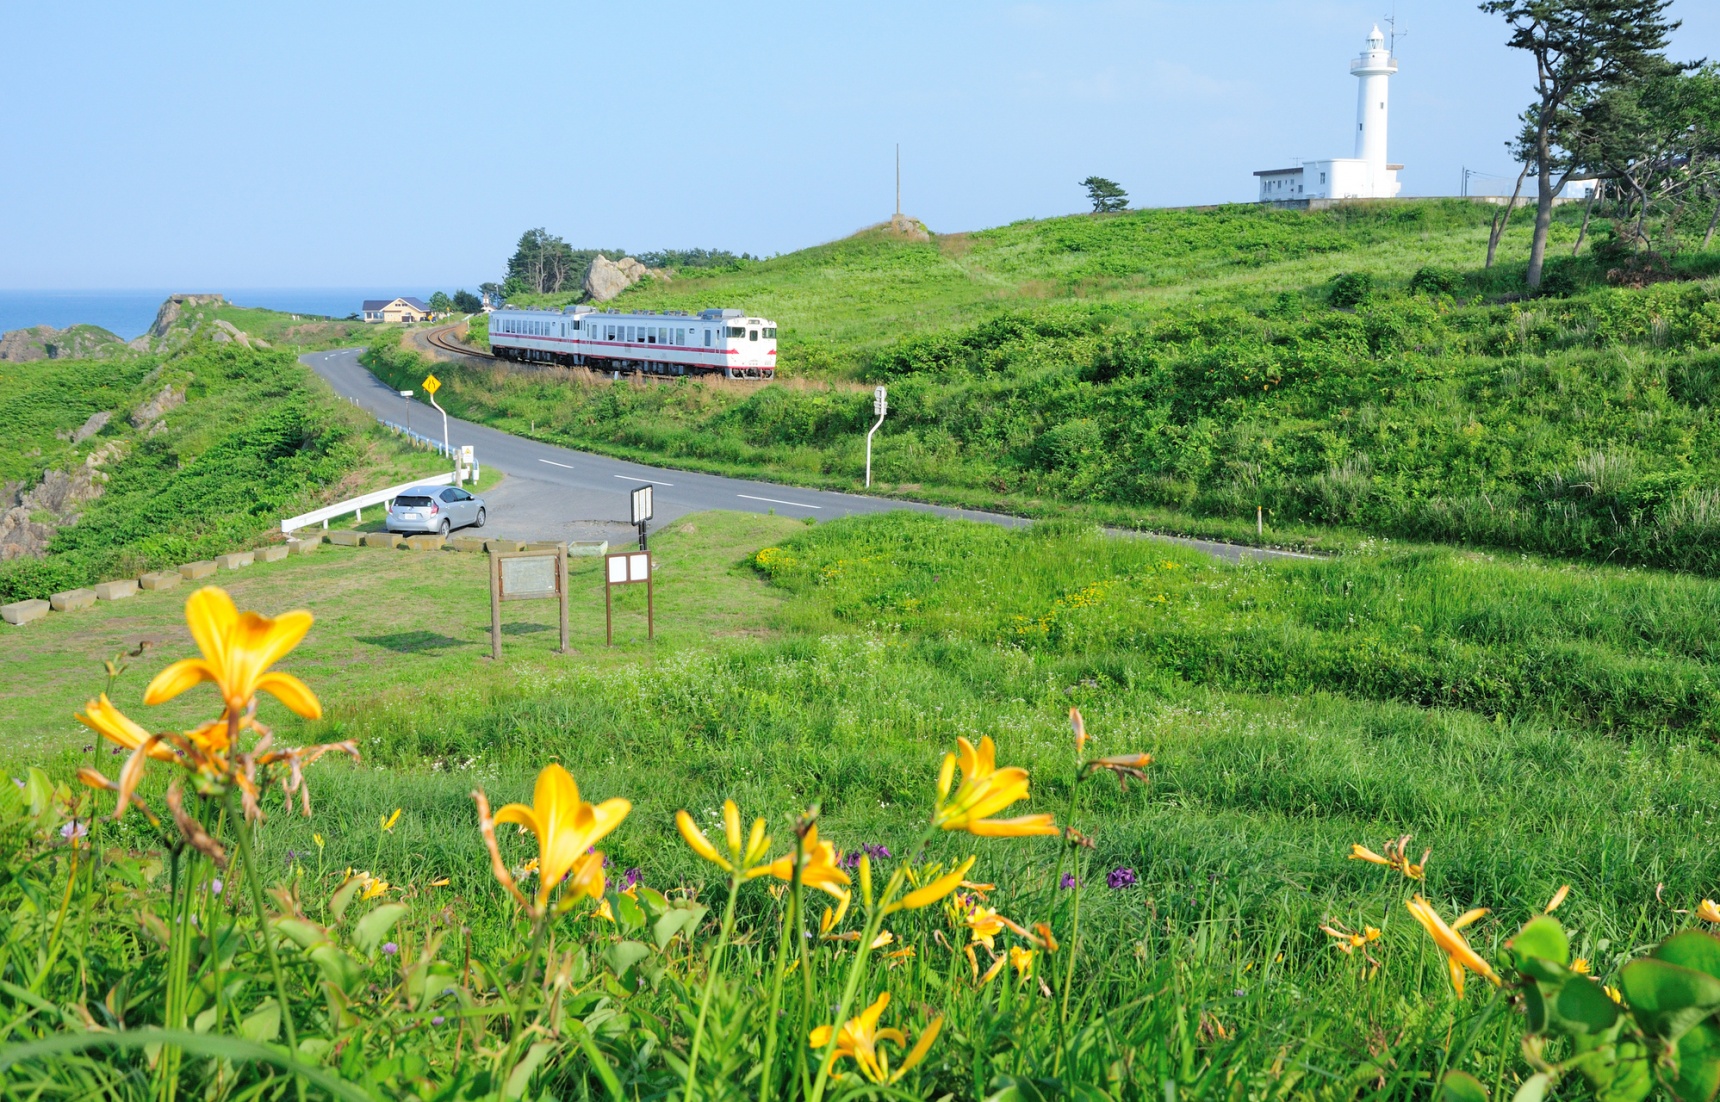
[466, 302]
[1105, 195]
[440, 303]
[493, 291]
[1581, 49]
[542, 264]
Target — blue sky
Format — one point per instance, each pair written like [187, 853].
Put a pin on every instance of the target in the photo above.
[241, 145]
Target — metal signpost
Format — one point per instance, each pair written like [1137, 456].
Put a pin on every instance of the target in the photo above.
[407, 394]
[880, 406]
[431, 385]
[627, 568]
[642, 510]
[526, 576]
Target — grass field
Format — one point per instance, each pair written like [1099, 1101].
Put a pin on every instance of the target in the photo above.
[1535, 724]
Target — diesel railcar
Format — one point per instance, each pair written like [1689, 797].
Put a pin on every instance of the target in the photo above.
[725, 342]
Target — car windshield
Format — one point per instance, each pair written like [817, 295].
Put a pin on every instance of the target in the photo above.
[412, 502]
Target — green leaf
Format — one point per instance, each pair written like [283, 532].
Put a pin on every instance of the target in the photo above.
[1533, 1089]
[1631, 1076]
[1582, 1007]
[1535, 1006]
[625, 954]
[521, 1076]
[373, 928]
[1667, 999]
[302, 933]
[673, 922]
[1698, 1063]
[627, 912]
[336, 967]
[1542, 938]
[205, 1020]
[342, 897]
[1695, 949]
[263, 1024]
[1460, 1086]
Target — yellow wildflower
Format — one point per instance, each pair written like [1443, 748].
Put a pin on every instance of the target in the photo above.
[1021, 960]
[1708, 911]
[567, 829]
[984, 791]
[238, 649]
[389, 821]
[1395, 857]
[1558, 898]
[861, 1040]
[743, 855]
[1581, 966]
[1459, 955]
[818, 868]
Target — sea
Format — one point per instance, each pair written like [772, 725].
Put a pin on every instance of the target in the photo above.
[130, 313]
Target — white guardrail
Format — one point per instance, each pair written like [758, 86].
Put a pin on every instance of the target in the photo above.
[356, 505]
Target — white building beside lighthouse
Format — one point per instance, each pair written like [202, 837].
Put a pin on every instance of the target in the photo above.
[1367, 175]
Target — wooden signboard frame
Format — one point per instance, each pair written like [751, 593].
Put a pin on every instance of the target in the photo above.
[627, 568]
[500, 591]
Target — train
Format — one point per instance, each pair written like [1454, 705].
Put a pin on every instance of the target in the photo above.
[646, 342]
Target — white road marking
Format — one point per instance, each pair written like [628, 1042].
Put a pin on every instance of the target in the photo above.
[628, 476]
[553, 463]
[774, 501]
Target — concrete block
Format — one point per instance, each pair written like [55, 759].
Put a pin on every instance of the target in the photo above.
[235, 560]
[465, 543]
[117, 590]
[504, 545]
[342, 537]
[304, 546]
[423, 543]
[384, 539]
[72, 599]
[544, 545]
[22, 612]
[161, 579]
[275, 552]
[192, 571]
[594, 549]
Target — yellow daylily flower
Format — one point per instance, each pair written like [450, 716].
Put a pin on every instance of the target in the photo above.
[389, 821]
[1348, 940]
[933, 892]
[985, 790]
[818, 868]
[744, 856]
[1021, 960]
[100, 716]
[861, 1040]
[1582, 967]
[1708, 911]
[1394, 857]
[1459, 955]
[238, 649]
[985, 925]
[1558, 898]
[567, 829]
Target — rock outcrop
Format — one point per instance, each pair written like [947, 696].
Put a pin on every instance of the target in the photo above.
[44, 342]
[27, 526]
[148, 416]
[172, 324]
[608, 278]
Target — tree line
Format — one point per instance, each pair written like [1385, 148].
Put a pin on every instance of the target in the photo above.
[543, 263]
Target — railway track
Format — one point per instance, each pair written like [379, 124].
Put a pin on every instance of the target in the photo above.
[436, 338]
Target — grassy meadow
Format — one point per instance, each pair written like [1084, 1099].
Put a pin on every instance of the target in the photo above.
[1346, 371]
[1535, 723]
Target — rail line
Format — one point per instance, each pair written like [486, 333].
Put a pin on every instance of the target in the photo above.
[435, 338]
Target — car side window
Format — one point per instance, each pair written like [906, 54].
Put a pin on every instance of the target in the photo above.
[448, 495]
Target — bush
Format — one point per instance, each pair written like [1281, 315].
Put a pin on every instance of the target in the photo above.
[1435, 282]
[1350, 290]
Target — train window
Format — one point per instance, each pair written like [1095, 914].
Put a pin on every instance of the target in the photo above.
[651, 334]
[753, 335]
[734, 332]
[707, 338]
[770, 333]
[680, 336]
[575, 327]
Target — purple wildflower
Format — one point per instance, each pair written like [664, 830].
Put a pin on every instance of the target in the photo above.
[877, 851]
[74, 829]
[1068, 881]
[437, 1020]
[1121, 877]
[215, 886]
[630, 878]
[19, 781]
[390, 948]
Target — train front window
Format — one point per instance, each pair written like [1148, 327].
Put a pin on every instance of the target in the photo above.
[734, 332]
[752, 335]
[770, 333]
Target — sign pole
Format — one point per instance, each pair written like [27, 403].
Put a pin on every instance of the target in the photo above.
[561, 583]
[496, 608]
[407, 394]
[608, 611]
[880, 406]
[650, 610]
[431, 385]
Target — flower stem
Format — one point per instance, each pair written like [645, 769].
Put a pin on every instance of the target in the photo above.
[711, 985]
[242, 831]
[874, 920]
[790, 919]
[1075, 922]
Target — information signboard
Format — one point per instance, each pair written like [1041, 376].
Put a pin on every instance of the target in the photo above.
[627, 568]
[527, 576]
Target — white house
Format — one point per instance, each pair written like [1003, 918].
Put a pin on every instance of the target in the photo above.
[1367, 175]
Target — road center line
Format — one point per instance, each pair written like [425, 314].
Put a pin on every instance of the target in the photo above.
[553, 463]
[774, 501]
[635, 479]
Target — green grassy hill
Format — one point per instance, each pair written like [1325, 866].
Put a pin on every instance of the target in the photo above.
[139, 461]
[1352, 370]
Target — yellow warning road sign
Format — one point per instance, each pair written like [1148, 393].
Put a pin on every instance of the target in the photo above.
[432, 384]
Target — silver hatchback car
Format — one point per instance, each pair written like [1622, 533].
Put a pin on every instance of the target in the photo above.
[436, 509]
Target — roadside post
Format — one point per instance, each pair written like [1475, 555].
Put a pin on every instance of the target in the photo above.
[527, 576]
[627, 568]
[431, 385]
[880, 406]
[407, 394]
[642, 510]
[468, 464]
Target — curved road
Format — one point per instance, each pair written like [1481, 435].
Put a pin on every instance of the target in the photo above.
[553, 492]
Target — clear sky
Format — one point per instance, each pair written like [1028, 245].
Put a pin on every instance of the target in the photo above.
[203, 145]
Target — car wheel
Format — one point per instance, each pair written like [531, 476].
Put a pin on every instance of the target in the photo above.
[479, 523]
[444, 530]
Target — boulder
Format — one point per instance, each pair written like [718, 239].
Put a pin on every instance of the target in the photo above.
[161, 579]
[95, 424]
[72, 599]
[192, 571]
[22, 612]
[273, 553]
[606, 279]
[116, 590]
[235, 560]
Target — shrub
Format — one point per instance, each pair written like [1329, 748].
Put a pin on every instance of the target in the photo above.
[1350, 289]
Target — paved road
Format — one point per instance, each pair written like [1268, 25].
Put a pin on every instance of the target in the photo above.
[557, 493]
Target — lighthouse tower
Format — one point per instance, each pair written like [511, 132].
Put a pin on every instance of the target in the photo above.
[1367, 175]
[1374, 68]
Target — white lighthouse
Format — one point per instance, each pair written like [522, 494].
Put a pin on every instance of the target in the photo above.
[1367, 175]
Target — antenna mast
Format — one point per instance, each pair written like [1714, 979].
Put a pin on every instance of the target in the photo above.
[1391, 21]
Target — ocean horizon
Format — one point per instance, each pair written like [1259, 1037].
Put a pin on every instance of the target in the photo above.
[129, 313]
